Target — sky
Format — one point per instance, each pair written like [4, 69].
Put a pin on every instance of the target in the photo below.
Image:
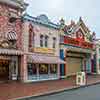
[69, 10]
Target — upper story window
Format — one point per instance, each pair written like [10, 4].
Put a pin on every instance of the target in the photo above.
[54, 42]
[31, 36]
[46, 41]
[41, 40]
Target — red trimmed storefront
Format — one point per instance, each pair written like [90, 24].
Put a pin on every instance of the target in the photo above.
[77, 50]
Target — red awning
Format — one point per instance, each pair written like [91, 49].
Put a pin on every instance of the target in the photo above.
[36, 58]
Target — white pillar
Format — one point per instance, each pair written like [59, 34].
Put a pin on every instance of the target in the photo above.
[58, 70]
[37, 65]
[49, 70]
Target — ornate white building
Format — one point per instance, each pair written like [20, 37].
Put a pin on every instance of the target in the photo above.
[41, 49]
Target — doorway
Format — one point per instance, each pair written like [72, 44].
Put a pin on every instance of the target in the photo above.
[4, 70]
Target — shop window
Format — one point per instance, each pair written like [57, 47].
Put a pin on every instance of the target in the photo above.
[46, 41]
[99, 63]
[99, 51]
[14, 67]
[32, 69]
[41, 40]
[54, 42]
[53, 69]
[43, 69]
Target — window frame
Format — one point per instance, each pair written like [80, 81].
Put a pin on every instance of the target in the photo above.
[46, 40]
[54, 42]
[41, 40]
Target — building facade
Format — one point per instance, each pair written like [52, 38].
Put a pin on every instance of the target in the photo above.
[10, 38]
[41, 49]
[97, 57]
[76, 48]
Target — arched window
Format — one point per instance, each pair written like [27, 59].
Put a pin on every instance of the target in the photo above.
[41, 40]
[46, 41]
[31, 36]
[54, 42]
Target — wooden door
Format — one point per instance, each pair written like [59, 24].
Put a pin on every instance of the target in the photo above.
[4, 70]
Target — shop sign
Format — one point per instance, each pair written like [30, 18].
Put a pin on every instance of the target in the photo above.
[79, 43]
[44, 50]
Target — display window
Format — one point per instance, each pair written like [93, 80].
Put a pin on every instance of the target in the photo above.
[43, 69]
[53, 69]
[32, 69]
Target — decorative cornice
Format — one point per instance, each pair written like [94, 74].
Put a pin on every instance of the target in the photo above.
[37, 20]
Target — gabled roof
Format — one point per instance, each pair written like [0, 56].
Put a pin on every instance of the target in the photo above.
[41, 19]
[82, 24]
[74, 26]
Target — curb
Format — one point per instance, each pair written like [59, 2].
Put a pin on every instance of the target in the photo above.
[56, 91]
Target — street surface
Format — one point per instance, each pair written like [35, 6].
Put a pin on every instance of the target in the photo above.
[87, 93]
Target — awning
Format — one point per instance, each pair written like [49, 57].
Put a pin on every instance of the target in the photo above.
[10, 52]
[11, 36]
[36, 58]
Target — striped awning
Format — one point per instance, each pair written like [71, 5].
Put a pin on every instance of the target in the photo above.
[10, 52]
[11, 35]
[36, 58]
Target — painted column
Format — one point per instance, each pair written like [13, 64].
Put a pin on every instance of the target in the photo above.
[23, 71]
[88, 64]
[98, 60]
[58, 71]
[37, 71]
[93, 63]
[49, 75]
[62, 69]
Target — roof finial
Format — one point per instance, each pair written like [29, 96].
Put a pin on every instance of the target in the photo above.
[72, 22]
[80, 19]
[62, 21]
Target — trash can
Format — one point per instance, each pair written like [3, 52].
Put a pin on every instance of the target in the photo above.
[81, 78]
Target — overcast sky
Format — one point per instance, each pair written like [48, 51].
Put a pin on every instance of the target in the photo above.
[68, 9]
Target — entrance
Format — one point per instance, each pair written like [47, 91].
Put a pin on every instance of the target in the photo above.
[73, 65]
[4, 70]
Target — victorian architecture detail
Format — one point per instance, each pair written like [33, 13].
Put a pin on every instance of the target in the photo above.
[76, 48]
[41, 48]
[36, 49]
[10, 38]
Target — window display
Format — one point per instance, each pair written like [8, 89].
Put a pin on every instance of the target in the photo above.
[53, 69]
[43, 68]
[32, 70]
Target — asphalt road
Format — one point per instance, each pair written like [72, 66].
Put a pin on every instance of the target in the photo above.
[87, 93]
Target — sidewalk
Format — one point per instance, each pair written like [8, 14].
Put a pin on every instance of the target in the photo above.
[17, 90]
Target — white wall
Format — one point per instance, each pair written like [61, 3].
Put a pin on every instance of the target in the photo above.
[40, 29]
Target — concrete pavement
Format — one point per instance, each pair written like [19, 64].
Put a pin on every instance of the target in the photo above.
[87, 93]
[17, 90]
